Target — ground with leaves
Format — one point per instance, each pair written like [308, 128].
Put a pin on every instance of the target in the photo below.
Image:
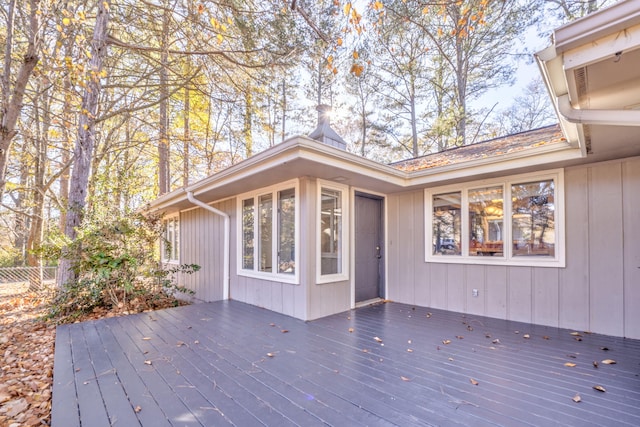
[27, 349]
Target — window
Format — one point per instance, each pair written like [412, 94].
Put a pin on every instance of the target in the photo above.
[170, 247]
[516, 220]
[268, 233]
[332, 232]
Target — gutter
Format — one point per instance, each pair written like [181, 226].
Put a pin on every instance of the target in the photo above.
[597, 117]
[227, 233]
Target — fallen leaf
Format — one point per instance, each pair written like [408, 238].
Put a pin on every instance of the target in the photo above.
[272, 324]
[577, 398]
[451, 359]
[405, 379]
[284, 331]
[429, 315]
[365, 350]
[496, 341]
[180, 344]
[270, 354]
[573, 356]
[570, 365]
[146, 338]
[408, 341]
[577, 338]
[546, 337]
[469, 328]
[608, 362]
[516, 332]
[526, 336]
[460, 337]
[604, 348]
[409, 350]
[576, 334]
[599, 388]
[196, 342]
[595, 364]
[487, 335]
[377, 339]
[474, 382]
[137, 409]
[350, 330]
[147, 362]
[446, 342]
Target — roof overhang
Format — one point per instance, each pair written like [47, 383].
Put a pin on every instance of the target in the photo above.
[591, 72]
[304, 157]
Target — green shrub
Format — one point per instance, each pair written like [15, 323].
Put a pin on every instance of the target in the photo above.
[116, 268]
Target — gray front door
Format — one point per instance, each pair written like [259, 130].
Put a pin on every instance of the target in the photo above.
[369, 261]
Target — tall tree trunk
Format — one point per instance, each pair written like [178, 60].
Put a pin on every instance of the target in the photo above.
[164, 180]
[284, 106]
[187, 136]
[12, 99]
[248, 121]
[83, 151]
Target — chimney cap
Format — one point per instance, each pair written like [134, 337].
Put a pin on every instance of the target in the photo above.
[323, 132]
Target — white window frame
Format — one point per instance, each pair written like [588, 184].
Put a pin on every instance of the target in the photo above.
[558, 260]
[344, 241]
[275, 275]
[175, 241]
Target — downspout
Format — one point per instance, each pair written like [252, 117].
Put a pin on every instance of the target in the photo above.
[597, 117]
[227, 233]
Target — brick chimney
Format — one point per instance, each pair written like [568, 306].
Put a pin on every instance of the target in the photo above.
[323, 133]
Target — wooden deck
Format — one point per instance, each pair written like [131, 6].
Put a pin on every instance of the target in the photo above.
[228, 363]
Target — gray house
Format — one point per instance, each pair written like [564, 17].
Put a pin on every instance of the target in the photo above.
[540, 227]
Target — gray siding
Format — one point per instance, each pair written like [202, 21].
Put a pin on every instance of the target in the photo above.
[201, 242]
[598, 291]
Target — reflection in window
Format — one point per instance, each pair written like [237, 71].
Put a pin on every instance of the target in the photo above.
[331, 231]
[486, 221]
[446, 223]
[287, 231]
[171, 241]
[533, 219]
[247, 233]
[265, 242]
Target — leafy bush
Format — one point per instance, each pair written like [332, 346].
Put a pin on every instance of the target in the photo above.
[116, 268]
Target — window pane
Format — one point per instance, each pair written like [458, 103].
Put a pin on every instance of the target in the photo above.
[176, 239]
[287, 231]
[486, 221]
[533, 219]
[446, 224]
[330, 231]
[265, 239]
[247, 234]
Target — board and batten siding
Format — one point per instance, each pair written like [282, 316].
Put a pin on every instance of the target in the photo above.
[202, 243]
[598, 290]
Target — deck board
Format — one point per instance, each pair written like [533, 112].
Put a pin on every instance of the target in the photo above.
[229, 363]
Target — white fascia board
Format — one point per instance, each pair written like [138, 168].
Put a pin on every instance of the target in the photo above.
[594, 26]
[607, 47]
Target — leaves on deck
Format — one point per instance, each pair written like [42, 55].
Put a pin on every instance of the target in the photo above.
[405, 378]
[608, 362]
[429, 314]
[148, 362]
[599, 388]
[270, 354]
[377, 339]
[284, 331]
[526, 336]
[570, 365]
[577, 398]
[350, 330]
[474, 382]
[446, 342]
[137, 409]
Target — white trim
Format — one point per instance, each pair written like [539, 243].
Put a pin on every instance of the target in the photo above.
[345, 236]
[273, 276]
[558, 260]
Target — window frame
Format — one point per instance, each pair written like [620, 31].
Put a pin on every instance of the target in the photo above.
[344, 241]
[169, 224]
[275, 274]
[508, 258]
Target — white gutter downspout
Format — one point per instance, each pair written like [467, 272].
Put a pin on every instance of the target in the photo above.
[597, 117]
[227, 233]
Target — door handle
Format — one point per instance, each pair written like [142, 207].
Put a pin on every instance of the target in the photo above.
[378, 252]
